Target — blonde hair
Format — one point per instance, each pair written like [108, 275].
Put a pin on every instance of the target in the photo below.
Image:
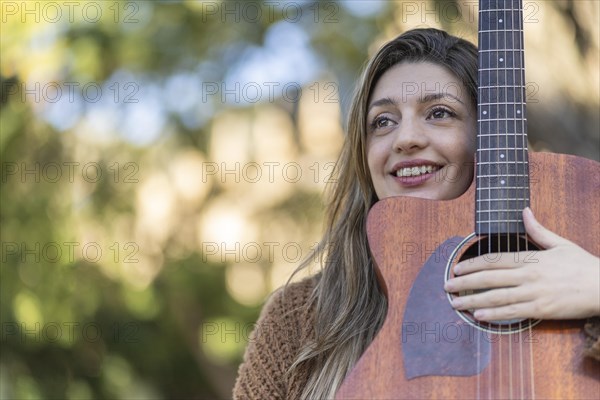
[349, 305]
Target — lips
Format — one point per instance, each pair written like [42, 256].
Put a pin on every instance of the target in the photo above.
[414, 172]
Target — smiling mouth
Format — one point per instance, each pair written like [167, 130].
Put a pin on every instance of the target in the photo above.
[416, 171]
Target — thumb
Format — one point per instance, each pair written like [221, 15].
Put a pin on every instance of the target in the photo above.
[539, 234]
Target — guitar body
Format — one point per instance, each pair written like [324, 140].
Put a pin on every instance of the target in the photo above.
[424, 350]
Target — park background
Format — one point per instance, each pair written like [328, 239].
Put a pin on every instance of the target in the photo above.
[163, 168]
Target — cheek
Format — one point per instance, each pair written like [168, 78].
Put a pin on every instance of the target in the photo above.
[375, 159]
[467, 155]
[465, 144]
[370, 155]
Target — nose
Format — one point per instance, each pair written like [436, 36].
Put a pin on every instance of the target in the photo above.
[410, 136]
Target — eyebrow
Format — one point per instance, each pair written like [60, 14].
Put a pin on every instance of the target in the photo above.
[386, 101]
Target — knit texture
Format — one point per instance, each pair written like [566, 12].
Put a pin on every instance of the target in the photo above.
[284, 325]
[592, 330]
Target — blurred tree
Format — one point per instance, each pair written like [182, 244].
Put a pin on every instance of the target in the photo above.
[163, 164]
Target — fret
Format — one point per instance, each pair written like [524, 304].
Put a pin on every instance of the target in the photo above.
[487, 141]
[503, 40]
[500, 225]
[501, 176]
[502, 104]
[502, 161]
[500, 221]
[500, 69]
[499, 191]
[501, 86]
[488, 138]
[492, 21]
[500, 77]
[502, 110]
[509, 94]
[500, 125]
[502, 148]
[508, 199]
[500, 61]
[521, 185]
[501, 50]
[499, 5]
[501, 188]
[501, 205]
[517, 156]
[509, 162]
[504, 119]
[494, 10]
[505, 4]
[502, 171]
[500, 30]
[499, 210]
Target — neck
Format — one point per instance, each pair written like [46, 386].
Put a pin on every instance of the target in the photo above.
[502, 168]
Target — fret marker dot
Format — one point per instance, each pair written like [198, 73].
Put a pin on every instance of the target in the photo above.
[485, 113]
[502, 182]
[500, 20]
[518, 111]
[501, 59]
[501, 155]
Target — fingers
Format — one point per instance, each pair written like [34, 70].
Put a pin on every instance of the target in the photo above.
[539, 234]
[492, 298]
[484, 280]
[495, 261]
[498, 304]
[536, 231]
[508, 312]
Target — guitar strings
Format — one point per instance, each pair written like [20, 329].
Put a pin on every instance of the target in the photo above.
[509, 8]
[518, 83]
[498, 182]
[526, 165]
[478, 177]
[511, 58]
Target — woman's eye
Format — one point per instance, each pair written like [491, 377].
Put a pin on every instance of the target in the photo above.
[381, 122]
[441, 112]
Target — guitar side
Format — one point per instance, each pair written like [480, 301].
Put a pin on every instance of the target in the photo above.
[546, 362]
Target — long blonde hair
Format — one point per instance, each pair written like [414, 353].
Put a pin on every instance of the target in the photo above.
[349, 306]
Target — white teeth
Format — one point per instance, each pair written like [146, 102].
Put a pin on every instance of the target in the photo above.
[416, 171]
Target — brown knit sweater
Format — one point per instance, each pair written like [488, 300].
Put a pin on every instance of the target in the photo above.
[284, 324]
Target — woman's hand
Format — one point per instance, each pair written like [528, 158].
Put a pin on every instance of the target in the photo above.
[560, 282]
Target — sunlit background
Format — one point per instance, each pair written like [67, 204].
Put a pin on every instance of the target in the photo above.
[163, 165]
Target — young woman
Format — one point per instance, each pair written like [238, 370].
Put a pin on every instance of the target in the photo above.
[415, 106]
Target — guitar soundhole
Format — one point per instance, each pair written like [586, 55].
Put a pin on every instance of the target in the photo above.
[488, 246]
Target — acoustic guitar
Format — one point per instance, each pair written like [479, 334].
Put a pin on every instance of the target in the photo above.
[426, 349]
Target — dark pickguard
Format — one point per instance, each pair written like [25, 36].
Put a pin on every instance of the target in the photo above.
[435, 340]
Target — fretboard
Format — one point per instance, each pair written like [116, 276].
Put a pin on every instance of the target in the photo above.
[502, 169]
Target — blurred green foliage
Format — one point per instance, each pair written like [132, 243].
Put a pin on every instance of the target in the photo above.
[107, 289]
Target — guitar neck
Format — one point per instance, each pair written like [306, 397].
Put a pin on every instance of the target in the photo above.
[502, 168]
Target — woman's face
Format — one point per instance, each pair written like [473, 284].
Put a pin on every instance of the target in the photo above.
[421, 131]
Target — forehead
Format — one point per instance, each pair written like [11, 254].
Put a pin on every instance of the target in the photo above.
[411, 79]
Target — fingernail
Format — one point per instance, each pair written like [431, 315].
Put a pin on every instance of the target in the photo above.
[479, 314]
[457, 269]
[456, 302]
[449, 285]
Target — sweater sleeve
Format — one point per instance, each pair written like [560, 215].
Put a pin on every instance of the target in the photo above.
[592, 330]
[273, 345]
